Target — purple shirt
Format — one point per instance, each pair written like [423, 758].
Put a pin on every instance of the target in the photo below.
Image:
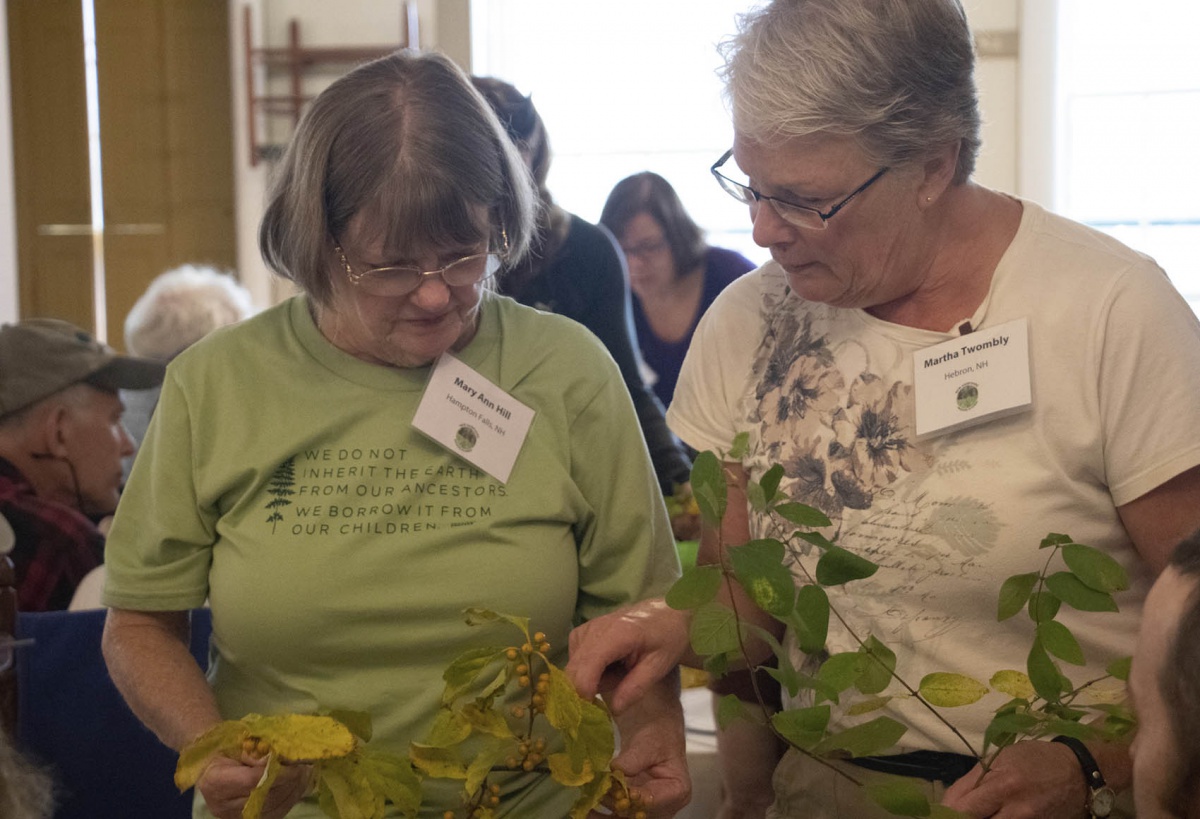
[721, 267]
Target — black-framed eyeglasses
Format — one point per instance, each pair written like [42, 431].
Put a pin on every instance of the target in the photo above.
[399, 280]
[798, 215]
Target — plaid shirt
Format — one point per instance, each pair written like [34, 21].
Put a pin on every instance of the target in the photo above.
[56, 545]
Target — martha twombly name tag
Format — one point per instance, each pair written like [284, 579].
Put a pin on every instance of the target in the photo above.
[972, 379]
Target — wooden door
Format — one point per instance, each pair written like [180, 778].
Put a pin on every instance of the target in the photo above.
[166, 145]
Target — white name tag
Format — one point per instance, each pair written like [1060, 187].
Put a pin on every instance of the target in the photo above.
[972, 379]
[473, 418]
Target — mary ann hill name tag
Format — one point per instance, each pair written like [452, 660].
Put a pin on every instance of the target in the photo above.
[473, 418]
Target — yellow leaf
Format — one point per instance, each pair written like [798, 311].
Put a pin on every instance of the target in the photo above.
[487, 721]
[562, 702]
[867, 706]
[948, 690]
[302, 737]
[590, 795]
[492, 752]
[258, 797]
[565, 774]
[224, 738]
[393, 777]
[440, 763]
[449, 728]
[1014, 683]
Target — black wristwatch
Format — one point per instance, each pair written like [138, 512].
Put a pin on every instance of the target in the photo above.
[1101, 797]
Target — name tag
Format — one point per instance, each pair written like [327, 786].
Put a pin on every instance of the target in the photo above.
[972, 379]
[473, 418]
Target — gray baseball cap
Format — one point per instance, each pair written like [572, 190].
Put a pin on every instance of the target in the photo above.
[39, 357]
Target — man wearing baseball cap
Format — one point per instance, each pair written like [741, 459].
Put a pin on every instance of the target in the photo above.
[61, 444]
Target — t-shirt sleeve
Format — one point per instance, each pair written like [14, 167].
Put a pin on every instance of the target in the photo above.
[626, 548]
[705, 412]
[160, 546]
[1149, 342]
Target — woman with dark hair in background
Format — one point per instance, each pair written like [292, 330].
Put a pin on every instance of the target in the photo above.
[674, 274]
[574, 269]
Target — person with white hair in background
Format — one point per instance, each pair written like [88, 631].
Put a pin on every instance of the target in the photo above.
[179, 308]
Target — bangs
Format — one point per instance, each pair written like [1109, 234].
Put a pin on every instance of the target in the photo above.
[422, 211]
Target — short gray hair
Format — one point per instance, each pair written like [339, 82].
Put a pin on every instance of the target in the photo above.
[180, 307]
[407, 141]
[897, 76]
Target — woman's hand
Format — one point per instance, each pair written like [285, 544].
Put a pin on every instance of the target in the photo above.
[648, 640]
[1028, 780]
[227, 783]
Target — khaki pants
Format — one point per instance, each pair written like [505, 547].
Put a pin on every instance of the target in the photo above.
[806, 789]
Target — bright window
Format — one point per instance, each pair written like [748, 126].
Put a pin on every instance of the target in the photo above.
[623, 86]
[1129, 127]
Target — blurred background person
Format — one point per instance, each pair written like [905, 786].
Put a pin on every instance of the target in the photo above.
[674, 274]
[1165, 687]
[61, 445]
[179, 308]
[26, 791]
[575, 269]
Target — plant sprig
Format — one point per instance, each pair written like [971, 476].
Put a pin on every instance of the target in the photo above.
[1042, 701]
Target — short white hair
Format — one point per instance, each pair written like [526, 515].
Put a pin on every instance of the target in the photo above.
[180, 307]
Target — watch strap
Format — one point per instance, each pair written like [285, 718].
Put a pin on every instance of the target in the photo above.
[1091, 771]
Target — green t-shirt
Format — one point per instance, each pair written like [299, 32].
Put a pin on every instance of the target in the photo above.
[281, 480]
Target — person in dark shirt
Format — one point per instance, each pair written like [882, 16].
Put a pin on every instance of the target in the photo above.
[61, 445]
[674, 274]
[575, 269]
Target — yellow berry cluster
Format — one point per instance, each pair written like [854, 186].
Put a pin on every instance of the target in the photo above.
[255, 747]
[627, 803]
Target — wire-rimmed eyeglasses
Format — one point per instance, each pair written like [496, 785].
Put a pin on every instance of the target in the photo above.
[400, 280]
[798, 215]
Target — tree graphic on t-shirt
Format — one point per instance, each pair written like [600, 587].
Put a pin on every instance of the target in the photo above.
[281, 487]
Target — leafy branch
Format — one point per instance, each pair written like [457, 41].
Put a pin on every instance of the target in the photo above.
[1042, 700]
[504, 709]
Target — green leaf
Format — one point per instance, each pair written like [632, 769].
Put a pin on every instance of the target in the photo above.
[1055, 540]
[803, 515]
[1019, 722]
[867, 739]
[756, 496]
[359, 722]
[730, 708]
[1069, 728]
[392, 776]
[899, 797]
[810, 620]
[480, 617]
[1043, 606]
[803, 727]
[841, 670]
[1043, 673]
[867, 706]
[767, 582]
[1070, 590]
[490, 754]
[449, 728]
[1095, 569]
[1014, 594]
[461, 674]
[740, 446]
[1059, 641]
[714, 630]
[1014, 683]
[486, 721]
[943, 812]
[590, 795]
[947, 690]
[876, 673]
[770, 482]
[1119, 668]
[697, 586]
[816, 539]
[838, 566]
[708, 487]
